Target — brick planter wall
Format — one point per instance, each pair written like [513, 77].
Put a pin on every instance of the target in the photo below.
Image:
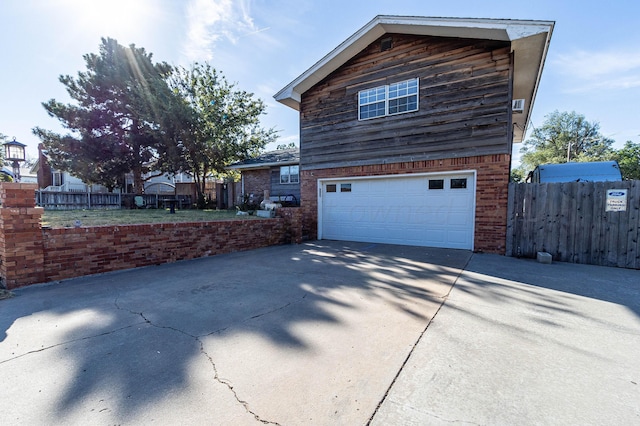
[31, 254]
[491, 192]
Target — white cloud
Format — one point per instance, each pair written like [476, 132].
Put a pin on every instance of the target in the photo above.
[600, 70]
[211, 21]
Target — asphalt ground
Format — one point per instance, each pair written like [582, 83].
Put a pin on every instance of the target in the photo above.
[327, 333]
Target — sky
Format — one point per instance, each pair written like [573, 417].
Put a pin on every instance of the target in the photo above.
[592, 67]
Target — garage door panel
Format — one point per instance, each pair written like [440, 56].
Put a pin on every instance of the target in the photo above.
[400, 210]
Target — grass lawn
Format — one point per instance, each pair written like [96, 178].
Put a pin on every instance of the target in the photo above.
[68, 218]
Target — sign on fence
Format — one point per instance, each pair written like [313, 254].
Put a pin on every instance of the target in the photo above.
[616, 200]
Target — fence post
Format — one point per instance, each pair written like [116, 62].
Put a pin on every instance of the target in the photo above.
[21, 241]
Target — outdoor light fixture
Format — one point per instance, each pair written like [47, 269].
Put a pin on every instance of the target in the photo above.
[14, 153]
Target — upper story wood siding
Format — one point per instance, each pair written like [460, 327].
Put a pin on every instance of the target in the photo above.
[464, 104]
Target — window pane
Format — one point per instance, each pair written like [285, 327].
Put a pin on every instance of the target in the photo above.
[372, 95]
[294, 174]
[436, 183]
[403, 105]
[331, 187]
[458, 183]
[372, 110]
[345, 187]
[284, 174]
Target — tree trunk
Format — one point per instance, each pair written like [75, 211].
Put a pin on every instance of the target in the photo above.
[138, 183]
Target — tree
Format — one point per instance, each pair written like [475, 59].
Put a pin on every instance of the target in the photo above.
[290, 145]
[565, 136]
[3, 176]
[219, 124]
[119, 121]
[628, 158]
[518, 175]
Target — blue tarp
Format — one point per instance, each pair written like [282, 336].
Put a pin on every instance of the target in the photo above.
[597, 171]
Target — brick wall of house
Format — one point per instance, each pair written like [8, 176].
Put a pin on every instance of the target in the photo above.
[256, 181]
[31, 254]
[491, 192]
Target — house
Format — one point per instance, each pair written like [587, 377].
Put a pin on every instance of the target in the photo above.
[406, 130]
[595, 171]
[26, 174]
[277, 172]
[51, 179]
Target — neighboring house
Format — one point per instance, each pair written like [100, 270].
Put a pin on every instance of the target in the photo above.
[275, 171]
[595, 171]
[406, 130]
[26, 174]
[50, 179]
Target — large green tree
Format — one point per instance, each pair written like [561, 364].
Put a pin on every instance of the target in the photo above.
[629, 160]
[119, 121]
[219, 124]
[565, 136]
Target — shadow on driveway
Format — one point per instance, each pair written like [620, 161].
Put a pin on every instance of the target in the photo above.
[310, 333]
[519, 342]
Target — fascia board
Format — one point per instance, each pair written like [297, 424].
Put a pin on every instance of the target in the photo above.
[257, 166]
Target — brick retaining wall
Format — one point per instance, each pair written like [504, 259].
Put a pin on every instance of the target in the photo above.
[31, 254]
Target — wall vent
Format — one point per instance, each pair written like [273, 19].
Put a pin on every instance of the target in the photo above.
[517, 106]
[386, 44]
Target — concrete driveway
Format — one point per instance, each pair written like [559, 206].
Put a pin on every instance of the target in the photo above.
[327, 333]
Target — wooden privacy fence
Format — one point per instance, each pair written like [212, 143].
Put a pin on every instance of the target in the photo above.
[54, 200]
[571, 222]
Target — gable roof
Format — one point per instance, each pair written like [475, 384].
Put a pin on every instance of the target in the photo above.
[280, 157]
[529, 44]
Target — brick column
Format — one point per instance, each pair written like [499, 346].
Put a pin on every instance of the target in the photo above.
[21, 243]
[293, 223]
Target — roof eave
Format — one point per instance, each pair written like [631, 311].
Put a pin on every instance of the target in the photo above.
[258, 166]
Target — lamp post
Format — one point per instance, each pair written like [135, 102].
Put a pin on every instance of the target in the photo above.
[14, 153]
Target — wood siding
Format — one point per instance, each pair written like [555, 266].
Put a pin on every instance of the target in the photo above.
[283, 189]
[464, 104]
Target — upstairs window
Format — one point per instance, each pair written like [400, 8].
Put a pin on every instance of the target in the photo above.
[290, 174]
[391, 99]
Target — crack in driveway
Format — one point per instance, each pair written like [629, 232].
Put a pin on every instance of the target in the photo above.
[106, 333]
[216, 375]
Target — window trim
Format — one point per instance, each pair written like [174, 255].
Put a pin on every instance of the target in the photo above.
[375, 93]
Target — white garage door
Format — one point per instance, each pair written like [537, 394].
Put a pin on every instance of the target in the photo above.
[426, 210]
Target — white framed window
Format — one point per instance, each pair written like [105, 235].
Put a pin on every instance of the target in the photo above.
[290, 174]
[57, 178]
[391, 99]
